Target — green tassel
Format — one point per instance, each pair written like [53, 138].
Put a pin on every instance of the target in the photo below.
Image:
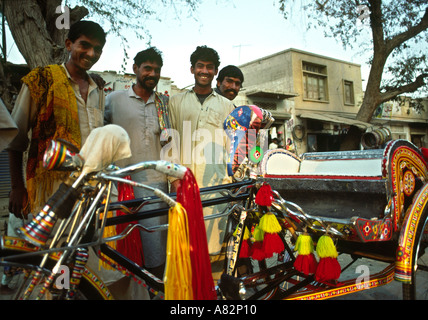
[258, 234]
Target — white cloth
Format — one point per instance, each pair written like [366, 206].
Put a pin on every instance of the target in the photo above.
[104, 146]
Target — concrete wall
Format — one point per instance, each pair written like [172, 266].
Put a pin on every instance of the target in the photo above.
[282, 72]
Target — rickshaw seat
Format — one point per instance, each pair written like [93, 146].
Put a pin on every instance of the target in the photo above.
[338, 185]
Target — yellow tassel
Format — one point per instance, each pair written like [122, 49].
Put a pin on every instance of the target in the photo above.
[269, 223]
[304, 245]
[246, 233]
[178, 271]
[109, 231]
[326, 247]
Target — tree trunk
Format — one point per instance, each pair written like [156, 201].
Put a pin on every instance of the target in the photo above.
[372, 94]
[28, 28]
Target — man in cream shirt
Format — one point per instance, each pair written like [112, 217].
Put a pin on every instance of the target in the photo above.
[197, 115]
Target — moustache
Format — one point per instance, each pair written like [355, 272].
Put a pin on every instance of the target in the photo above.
[151, 79]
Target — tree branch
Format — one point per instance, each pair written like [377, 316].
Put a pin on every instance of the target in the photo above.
[78, 13]
[396, 41]
[410, 87]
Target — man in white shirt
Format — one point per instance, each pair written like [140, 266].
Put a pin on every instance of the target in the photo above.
[85, 109]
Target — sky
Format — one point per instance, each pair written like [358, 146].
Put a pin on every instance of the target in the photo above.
[239, 30]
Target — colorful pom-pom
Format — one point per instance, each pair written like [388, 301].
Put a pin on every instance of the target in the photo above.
[328, 267]
[264, 196]
[305, 261]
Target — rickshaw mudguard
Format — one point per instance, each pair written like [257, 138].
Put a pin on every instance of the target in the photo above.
[406, 171]
[407, 243]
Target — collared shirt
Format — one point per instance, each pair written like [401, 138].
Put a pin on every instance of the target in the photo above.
[141, 122]
[203, 144]
[203, 147]
[90, 112]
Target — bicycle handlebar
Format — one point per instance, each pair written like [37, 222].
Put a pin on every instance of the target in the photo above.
[168, 168]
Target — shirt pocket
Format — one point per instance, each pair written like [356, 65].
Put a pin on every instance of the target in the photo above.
[96, 117]
[214, 118]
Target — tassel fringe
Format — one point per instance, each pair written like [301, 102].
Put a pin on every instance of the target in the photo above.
[178, 271]
[328, 267]
[305, 261]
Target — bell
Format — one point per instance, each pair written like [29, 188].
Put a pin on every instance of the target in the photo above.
[38, 230]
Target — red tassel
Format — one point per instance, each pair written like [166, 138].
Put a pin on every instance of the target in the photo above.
[257, 252]
[264, 196]
[306, 264]
[328, 269]
[245, 249]
[272, 243]
[131, 246]
[189, 197]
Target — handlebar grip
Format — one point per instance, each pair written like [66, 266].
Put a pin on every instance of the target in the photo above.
[63, 200]
[171, 169]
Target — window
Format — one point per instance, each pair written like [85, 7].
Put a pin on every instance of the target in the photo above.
[314, 82]
[348, 87]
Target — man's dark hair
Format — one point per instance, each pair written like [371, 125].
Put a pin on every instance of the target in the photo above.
[230, 71]
[151, 54]
[203, 53]
[86, 28]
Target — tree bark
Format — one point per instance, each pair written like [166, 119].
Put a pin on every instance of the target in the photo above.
[28, 28]
[32, 24]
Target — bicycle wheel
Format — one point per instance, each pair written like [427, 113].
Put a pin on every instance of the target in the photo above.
[23, 279]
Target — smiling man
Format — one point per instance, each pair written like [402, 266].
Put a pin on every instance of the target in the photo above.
[197, 115]
[143, 113]
[55, 101]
